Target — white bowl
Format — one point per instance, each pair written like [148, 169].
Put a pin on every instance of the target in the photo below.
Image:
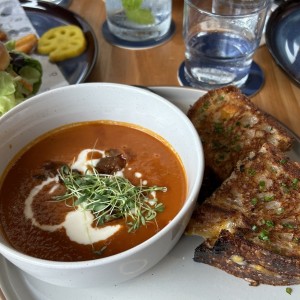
[104, 101]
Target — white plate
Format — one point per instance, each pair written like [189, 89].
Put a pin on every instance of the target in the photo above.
[177, 276]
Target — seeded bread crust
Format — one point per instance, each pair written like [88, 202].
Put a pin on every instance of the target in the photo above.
[237, 256]
[230, 126]
[252, 221]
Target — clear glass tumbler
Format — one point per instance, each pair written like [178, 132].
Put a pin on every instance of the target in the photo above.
[221, 37]
[138, 20]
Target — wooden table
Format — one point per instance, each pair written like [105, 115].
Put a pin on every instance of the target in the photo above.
[158, 66]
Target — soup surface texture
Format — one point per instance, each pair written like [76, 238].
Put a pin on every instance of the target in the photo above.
[34, 222]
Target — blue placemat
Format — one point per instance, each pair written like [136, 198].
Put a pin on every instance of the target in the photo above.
[114, 40]
[253, 84]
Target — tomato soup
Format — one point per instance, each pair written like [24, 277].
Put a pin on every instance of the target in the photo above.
[36, 219]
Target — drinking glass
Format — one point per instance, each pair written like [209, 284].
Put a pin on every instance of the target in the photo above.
[138, 20]
[221, 37]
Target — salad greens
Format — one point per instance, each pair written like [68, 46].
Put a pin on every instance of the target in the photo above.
[21, 79]
[135, 13]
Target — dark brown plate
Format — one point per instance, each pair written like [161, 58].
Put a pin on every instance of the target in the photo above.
[44, 15]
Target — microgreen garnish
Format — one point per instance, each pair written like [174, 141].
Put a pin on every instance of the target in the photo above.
[110, 197]
[100, 251]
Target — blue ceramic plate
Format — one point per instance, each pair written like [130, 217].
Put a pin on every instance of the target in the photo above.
[44, 15]
[283, 37]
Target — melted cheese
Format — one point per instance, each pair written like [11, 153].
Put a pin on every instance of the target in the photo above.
[212, 231]
[238, 260]
[263, 270]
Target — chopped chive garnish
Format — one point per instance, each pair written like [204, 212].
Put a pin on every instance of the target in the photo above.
[295, 183]
[289, 225]
[262, 185]
[269, 223]
[251, 172]
[264, 235]
[254, 228]
[268, 198]
[254, 201]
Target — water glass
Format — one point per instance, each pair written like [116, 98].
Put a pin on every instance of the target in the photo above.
[221, 37]
[138, 20]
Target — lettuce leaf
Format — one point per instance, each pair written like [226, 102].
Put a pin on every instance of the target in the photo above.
[28, 68]
[7, 92]
[20, 80]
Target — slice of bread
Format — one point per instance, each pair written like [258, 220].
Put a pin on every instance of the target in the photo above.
[252, 221]
[230, 126]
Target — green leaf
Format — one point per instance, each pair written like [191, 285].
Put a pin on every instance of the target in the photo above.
[31, 69]
[7, 91]
[21, 79]
[81, 199]
[10, 45]
[7, 86]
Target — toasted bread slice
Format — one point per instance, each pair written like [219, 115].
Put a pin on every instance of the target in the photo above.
[252, 221]
[240, 257]
[230, 126]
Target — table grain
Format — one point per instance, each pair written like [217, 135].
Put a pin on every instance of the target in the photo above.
[279, 96]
